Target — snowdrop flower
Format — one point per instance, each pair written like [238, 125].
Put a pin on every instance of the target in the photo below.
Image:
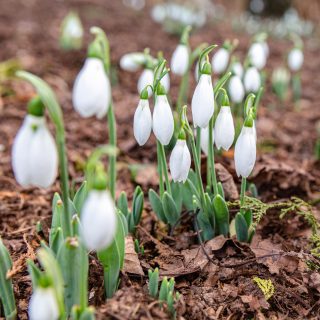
[220, 60]
[204, 140]
[180, 60]
[162, 120]
[91, 91]
[43, 305]
[257, 55]
[202, 103]
[34, 152]
[236, 89]
[180, 161]
[145, 79]
[252, 80]
[71, 32]
[224, 127]
[295, 59]
[237, 69]
[142, 122]
[132, 61]
[245, 149]
[98, 217]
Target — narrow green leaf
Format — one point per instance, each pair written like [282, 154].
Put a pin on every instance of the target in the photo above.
[163, 293]
[122, 203]
[220, 190]
[80, 197]
[248, 217]
[34, 272]
[170, 209]
[57, 212]
[6, 289]
[137, 207]
[176, 190]
[241, 228]
[57, 240]
[156, 205]
[222, 215]
[153, 282]
[207, 232]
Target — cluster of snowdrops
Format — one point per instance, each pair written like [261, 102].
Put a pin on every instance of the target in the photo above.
[90, 218]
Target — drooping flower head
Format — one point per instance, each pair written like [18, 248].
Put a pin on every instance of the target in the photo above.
[34, 152]
[203, 98]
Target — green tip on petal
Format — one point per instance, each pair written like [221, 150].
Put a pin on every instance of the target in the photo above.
[100, 181]
[95, 50]
[144, 94]
[185, 35]
[161, 91]
[206, 68]
[225, 99]
[249, 121]
[182, 134]
[36, 107]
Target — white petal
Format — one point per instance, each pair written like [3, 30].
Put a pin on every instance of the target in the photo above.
[146, 78]
[98, 220]
[204, 140]
[220, 61]
[257, 55]
[203, 102]
[238, 69]
[132, 61]
[43, 305]
[295, 59]
[142, 122]
[162, 121]
[252, 80]
[224, 129]
[180, 161]
[43, 158]
[91, 91]
[236, 89]
[180, 60]
[165, 81]
[245, 152]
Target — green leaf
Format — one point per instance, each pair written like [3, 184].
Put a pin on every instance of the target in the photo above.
[80, 197]
[122, 203]
[35, 273]
[220, 190]
[176, 191]
[163, 293]
[124, 222]
[156, 205]
[57, 212]
[209, 210]
[6, 289]
[248, 217]
[73, 260]
[170, 209]
[241, 228]
[137, 205]
[222, 215]
[153, 282]
[207, 232]
[57, 240]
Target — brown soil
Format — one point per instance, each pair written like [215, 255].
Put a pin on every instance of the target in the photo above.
[221, 288]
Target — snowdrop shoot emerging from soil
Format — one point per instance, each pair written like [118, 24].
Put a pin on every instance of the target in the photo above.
[34, 152]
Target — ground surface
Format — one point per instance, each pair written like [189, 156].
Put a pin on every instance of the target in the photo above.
[217, 289]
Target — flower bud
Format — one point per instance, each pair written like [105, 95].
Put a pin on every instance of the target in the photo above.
[34, 154]
[98, 219]
[236, 89]
[180, 161]
[295, 59]
[91, 91]
[203, 101]
[180, 60]
[162, 120]
[224, 129]
[220, 60]
[71, 32]
[43, 305]
[142, 122]
[252, 80]
[237, 69]
[132, 61]
[245, 150]
[257, 55]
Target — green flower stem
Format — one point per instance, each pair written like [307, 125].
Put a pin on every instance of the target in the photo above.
[198, 144]
[112, 158]
[163, 162]
[183, 88]
[211, 159]
[242, 194]
[161, 185]
[49, 99]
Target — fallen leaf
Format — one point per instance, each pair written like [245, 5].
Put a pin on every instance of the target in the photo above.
[131, 260]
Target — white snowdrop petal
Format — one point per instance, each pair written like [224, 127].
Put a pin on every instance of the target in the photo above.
[204, 140]
[180, 161]
[132, 61]
[165, 81]
[142, 122]
[257, 55]
[43, 158]
[220, 61]
[245, 152]
[98, 220]
[180, 60]
[236, 89]
[203, 102]
[91, 91]
[238, 69]
[146, 78]
[43, 305]
[162, 120]
[252, 80]
[224, 129]
[295, 59]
